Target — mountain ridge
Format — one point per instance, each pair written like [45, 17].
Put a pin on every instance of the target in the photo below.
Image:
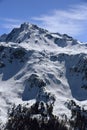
[23, 34]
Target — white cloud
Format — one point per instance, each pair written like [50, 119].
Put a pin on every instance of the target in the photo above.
[9, 23]
[12, 20]
[72, 21]
[10, 26]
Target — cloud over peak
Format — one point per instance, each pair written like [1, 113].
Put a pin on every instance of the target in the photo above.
[72, 21]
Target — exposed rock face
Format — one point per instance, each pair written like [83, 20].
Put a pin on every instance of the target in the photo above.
[35, 81]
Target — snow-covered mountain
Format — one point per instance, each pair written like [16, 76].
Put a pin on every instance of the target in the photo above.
[38, 65]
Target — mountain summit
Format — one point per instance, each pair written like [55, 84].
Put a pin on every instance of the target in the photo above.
[22, 33]
[26, 32]
[36, 65]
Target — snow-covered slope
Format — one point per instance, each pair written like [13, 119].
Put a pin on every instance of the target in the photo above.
[38, 65]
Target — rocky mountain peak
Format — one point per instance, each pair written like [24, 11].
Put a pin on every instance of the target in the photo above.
[22, 33]
[25, 25]
[31, 33]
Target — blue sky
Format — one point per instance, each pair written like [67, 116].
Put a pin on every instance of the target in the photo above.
[64, 16]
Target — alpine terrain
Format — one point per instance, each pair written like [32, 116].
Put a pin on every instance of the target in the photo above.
[43, 68]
